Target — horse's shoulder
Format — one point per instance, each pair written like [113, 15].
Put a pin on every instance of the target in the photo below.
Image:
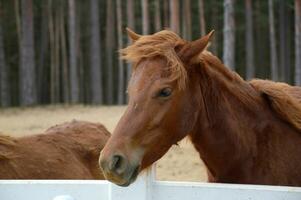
[283, 98]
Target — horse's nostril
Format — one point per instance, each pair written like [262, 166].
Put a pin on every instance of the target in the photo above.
[115, 163]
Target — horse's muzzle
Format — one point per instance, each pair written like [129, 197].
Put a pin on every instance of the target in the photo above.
[118, 169]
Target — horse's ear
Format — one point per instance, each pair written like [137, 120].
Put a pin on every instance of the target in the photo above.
[134, 36]
[189, 51]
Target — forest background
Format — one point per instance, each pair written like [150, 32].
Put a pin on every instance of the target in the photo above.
[66, 51]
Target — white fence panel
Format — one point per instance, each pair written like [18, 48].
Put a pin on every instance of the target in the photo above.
[145, 188]
[209, 191]
[48, 189]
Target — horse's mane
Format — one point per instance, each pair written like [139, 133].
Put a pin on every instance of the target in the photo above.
[162, 43]
[283, 98]
[7, 140]
[214, 62]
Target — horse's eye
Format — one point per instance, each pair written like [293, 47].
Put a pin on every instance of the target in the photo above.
[166, 92]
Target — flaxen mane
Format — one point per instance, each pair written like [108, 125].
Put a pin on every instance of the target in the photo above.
[163, 44]
[284, 99]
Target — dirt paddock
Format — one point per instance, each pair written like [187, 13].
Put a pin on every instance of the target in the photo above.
[181, 163]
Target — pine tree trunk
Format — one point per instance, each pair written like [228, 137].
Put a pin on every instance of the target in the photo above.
[130, 9]
[145, 17]
[121, 88]
[95, 61]
[4, 75]
[131, 24]
[229, 34]
[166, 22]
[56, 74]
[81, 70]
[298, 42]
[41, 70]
[27, 71]
[158, 24]
[18, 20]
[74, 80]
[273, 57]
[174, 16]
[109, 50]
[187, 20]
[65, 70]
[215, 26]
[250, 70]
[52, 39]
[202, 17]
[284, 66]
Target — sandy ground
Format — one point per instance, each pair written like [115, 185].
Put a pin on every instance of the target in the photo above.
[181, 163]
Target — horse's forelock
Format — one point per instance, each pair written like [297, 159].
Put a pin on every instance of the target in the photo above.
[162, 44]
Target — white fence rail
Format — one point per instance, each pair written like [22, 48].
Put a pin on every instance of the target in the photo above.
[145, 188]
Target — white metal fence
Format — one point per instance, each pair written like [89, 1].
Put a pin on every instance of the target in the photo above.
[145, 188]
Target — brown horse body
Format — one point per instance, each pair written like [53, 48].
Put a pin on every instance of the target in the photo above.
[245, 132]
[66, 151]
[242, 137]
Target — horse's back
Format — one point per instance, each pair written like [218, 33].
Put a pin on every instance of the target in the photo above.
[66, 151]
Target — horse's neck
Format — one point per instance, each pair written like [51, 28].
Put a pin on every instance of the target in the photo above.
[224, 134]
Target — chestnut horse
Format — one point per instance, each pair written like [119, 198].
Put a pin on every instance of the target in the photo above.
[245, 132]
[66, 151]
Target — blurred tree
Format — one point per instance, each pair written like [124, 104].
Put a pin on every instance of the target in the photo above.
[18, 20]
[95, 53]
[273, 54]
[298, 42]
[57, 54]
[186, 30]
[214, 25]
[261, 39]
[166, 17]
[82, 29]
[4, 70]
[145, 17]
[174, 16]
[229, 34]
[65, 70]
[121, 88]
[69, 57]
[27, 74]
[42, 59]
[130, 24]
[109, 51]
[158, 23]
[186, 25]
[202, 17]
[283, 46]
[55, 60]
[73, 45]
[52, 50]
[250, 67]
